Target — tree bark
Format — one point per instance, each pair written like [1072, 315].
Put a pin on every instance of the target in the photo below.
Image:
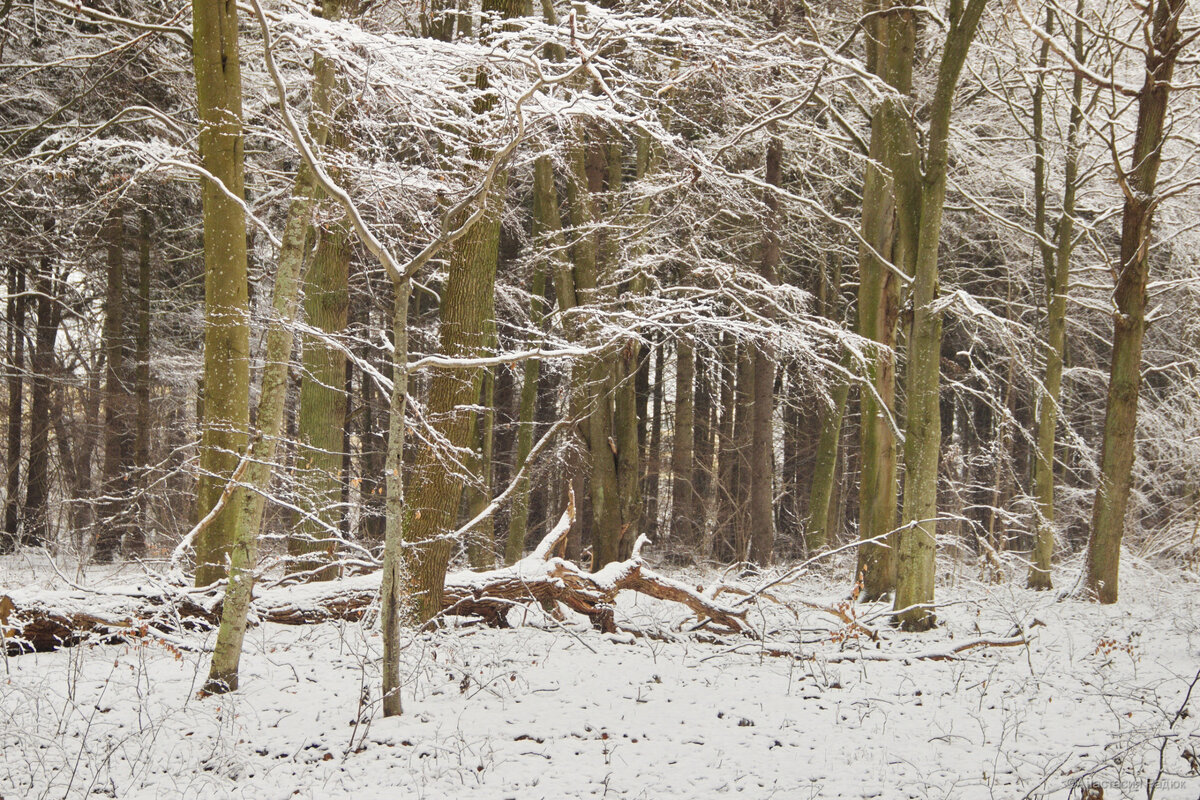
[468, 303]
[136, 537]
[741, 487]
[891, 209]
[1129, 322]
[683, 511]
[395, 605]
[916, 544]
[37, 485]
[16, 395]
[547, 224]
[725, 543]
[226, 401]
[762, 444]
[702, 465]
[322, 416]
[114, 518]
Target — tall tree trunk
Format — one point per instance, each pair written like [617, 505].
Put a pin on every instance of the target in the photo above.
[468, 303]
[37, 486]
[725, 544]
[547, 225]
[891, 208]
[743, 440]
[585, 183]
[272, 413]
[481, 542]
[825, 466]
[136, 541]
[518, 520]
[1057, 269]
[16, 394]
[654, 445]
[323, 399]
[226, 401]
[270, 417]
[702, 465]
[762, 438]
[683, 511]
[1129, 322]
[916, 544]
[114, 519]
[825, 472]
[435, 490]
[395, 563]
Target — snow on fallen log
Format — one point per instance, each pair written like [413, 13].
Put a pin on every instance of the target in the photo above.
[37, 620]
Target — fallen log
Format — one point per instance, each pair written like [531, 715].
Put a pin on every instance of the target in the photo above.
[33, 620]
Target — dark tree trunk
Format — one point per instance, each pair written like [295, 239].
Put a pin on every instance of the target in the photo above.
[16, 368]
[37, 486]
[702, 470]
[683, 527]
[136, 541]
[114, 517]
[762, 440]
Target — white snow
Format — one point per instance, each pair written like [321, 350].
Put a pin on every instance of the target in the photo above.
[555, 710]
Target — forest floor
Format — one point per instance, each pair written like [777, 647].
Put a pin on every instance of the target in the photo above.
[556, 710]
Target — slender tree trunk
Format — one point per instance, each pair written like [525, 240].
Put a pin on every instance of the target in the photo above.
[762, 438]
[725, 545]
[891, 209]
[547, 224]
[226, 401]
[136, 541]
[1057, 264]
[1129, 322]
[482, 538]
[654, 445]
[322, 416]
[395, 563]
[114, 519]
[702, 466]
[825, 472]
[683, 511]
[468, 303]
[518, 521]
[271, 416]
[916, 544]
[16, 394]
[37, 486]
[743, 440]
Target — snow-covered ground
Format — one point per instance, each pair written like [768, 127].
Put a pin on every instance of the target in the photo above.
[550, 710]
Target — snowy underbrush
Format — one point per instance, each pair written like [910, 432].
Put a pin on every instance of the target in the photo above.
[826, 705]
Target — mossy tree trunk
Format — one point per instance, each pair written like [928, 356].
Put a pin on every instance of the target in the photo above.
[1139, 184]
[890, 217]
[916, 543]
[467, 306]
[818, 527]
[321, 421]
[547, 225]
[226, 398]
[1056, 263]
[271, 417]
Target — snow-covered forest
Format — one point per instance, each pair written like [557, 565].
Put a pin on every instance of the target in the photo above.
[450, 398]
